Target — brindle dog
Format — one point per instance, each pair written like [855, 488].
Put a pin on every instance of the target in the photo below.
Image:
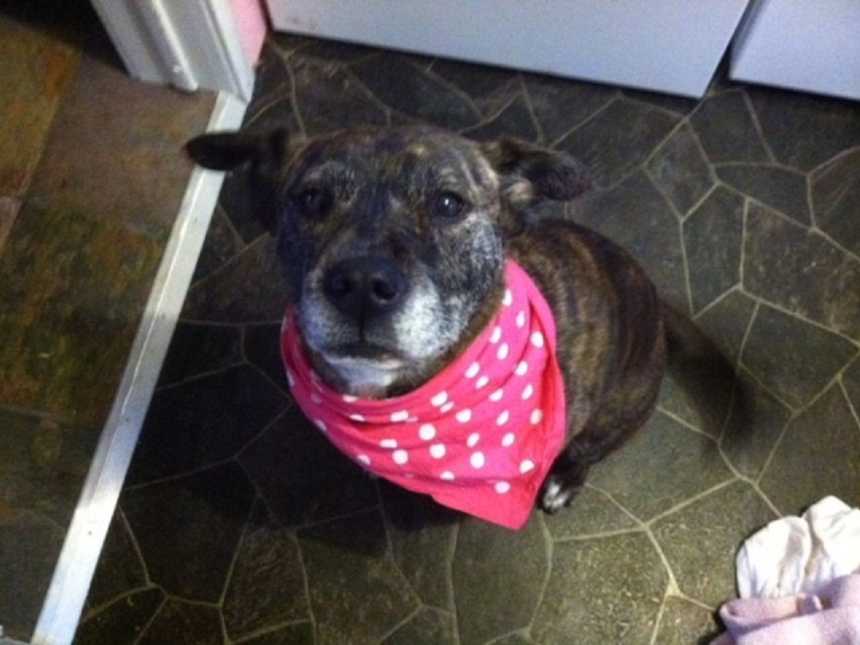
[394, 243]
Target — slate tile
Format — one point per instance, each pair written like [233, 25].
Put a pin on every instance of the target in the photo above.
[122, 622]
[335, 51]
[9, 207]
[498, 576]
[514, 639]
[119, 568]
[819, 455]
[851, 381]
[221, 244]
[272, 77]
[726, 129]
[779, 188]
[713, 236]
[560, 105]
[793, 358]
[684, 623]
[428, 627]
[489, 87]
[603, 591]
[189, 528]
[680, 170]
[590, 512]
[681, 105]
[181, 622]
[514, 121]
[836, 199]
[293, 634]
[196, 349]
[618, 139]
[351, 573]
[815, 279]
[727, 321]
[203, 421]
[262, 346]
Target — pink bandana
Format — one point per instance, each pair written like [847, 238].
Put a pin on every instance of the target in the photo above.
[478, 437]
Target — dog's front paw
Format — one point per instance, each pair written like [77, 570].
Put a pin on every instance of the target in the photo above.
[557, 493]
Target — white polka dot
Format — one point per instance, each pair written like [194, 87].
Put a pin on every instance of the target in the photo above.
[388, 443]
[447, 407]
[508, 299]
[537, 339]
[464, 415]
[496, 336]
[315, 398]
[526, 466]
[439, 399]
[502, 487]
[427, 432]
[522, 368]
[290, 379]
[473, 370]
[477, 460]
[321, 425]
[502, 354]
[357, 417]
[481, 382]
[349, 398]
[364, 459]
[400, 457]
[497, 395]
[447, 475]
[508, 440]
[536, 417]
[521, 319]
[528, 390]
[473, 439]
[502, 419]
[400, 415]
[437, 451]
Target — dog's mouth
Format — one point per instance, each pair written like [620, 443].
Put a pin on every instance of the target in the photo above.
[367, 352]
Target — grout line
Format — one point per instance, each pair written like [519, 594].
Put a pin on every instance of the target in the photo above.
[672, 585]
[403, 622]
[531, 109]
[693, 601]
[659, 617]
[198, 377]
[294, 101]
[452, 595]
[612, 99]
[764, 386]
[550, 556]
[134, 543]
[130, 488]
[336, 518]
[489, 119]
[148, 624]
[98, 609]
[757, 125]
[716, 184]
[596, 536]
[228, 578]
[306, 583]
[672, 132]
[687, 424]
[743, 256]
[686, 266]
[691, 500]
[735, 288]
[389, 543]
[820, 168]
[614, 501]
[814, 229]
[748, 331]
[268, 629]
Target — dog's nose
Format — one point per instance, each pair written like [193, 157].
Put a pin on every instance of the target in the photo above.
[364, 287]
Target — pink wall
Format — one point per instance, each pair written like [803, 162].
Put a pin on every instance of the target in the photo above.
[252, 24]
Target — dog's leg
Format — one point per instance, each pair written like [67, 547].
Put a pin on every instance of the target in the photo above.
[563, 483]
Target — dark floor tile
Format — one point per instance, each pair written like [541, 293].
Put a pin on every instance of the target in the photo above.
[618, 139]
[805, 130]
[294, 634]
[189, 528]
[489, 87]
[119, 568]
[836, 200]
[240, 204]
[288, 43]
[267, 583]
[779, 188]
[713, 237]
[815, 279]
[584, 596]
[9, 207]
[203, 421]
[818, 456]
[851, 381]
[680, 170]
[272, 79]
[221, 243]
[726, 129]
[793, 358]
[661, 466]
[638, 218]
[262, 346]
[681, 105]
[591, 512]
[727, 321]
[514, 121]
[427, 627]
[416, 93]
[684, 623]
[122, 622]
[350, 574]
[302, 476]
[334, 51]
[498, 577]
[700, 541]
[514, 639]
[561, 105]
[181, 622]
[197, 349]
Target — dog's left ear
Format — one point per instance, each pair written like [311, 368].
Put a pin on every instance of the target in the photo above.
[231, 150]
[529, 173]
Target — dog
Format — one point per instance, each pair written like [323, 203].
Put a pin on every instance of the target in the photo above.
[395, 241]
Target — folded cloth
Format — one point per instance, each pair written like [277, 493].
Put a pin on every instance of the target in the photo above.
[831, 617]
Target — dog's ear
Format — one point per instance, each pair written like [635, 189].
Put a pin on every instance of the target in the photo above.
[529, 173]
[231, 150]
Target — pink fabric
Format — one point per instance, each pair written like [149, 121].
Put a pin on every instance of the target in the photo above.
[480, 436]
[831, 617]
[251, 23]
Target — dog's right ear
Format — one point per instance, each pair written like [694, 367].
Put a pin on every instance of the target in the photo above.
[231, 150]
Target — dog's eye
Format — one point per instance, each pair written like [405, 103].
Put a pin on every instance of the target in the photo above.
[448, 205]
[313, 201]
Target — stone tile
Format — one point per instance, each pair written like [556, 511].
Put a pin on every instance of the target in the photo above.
[726, 129]
[267, 584]
[489, 87]
[196, 349]
[294, 634]
[618, 139]
[498, 577]
[122, 622]
[189, 528]
[591, 512]
[181, 622]
[203, 421]
[684, 623]
[302, 476]
[680, 170]
[250, 288]
[804, 130]
[221, 244]
[836, 199]
[514, 639]
[819, 455]
[414, 92]
[661, 466]
[422, 536]
[514, 121]
[779, 188]
[585, 597]
[29, 546]
[560, 105]
[726, 322]
[428, 627]
[816, 280]
[851, 381]
[272, 76]
[713, 236]
[9, 207]
[678, 104]
[119, 568]
[753, 427]
[335, 51]
[793, 358]
[701, 540]
[351, 573]
[287, 43]
[638, 218]
[262, 347]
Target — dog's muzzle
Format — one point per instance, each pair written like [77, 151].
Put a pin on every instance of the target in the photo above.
[364, 288]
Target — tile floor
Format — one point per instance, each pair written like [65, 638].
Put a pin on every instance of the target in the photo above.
[240, 524]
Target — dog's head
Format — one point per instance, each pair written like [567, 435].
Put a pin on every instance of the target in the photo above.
[393, 240]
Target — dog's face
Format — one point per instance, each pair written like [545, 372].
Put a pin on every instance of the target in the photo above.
[392, 239]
